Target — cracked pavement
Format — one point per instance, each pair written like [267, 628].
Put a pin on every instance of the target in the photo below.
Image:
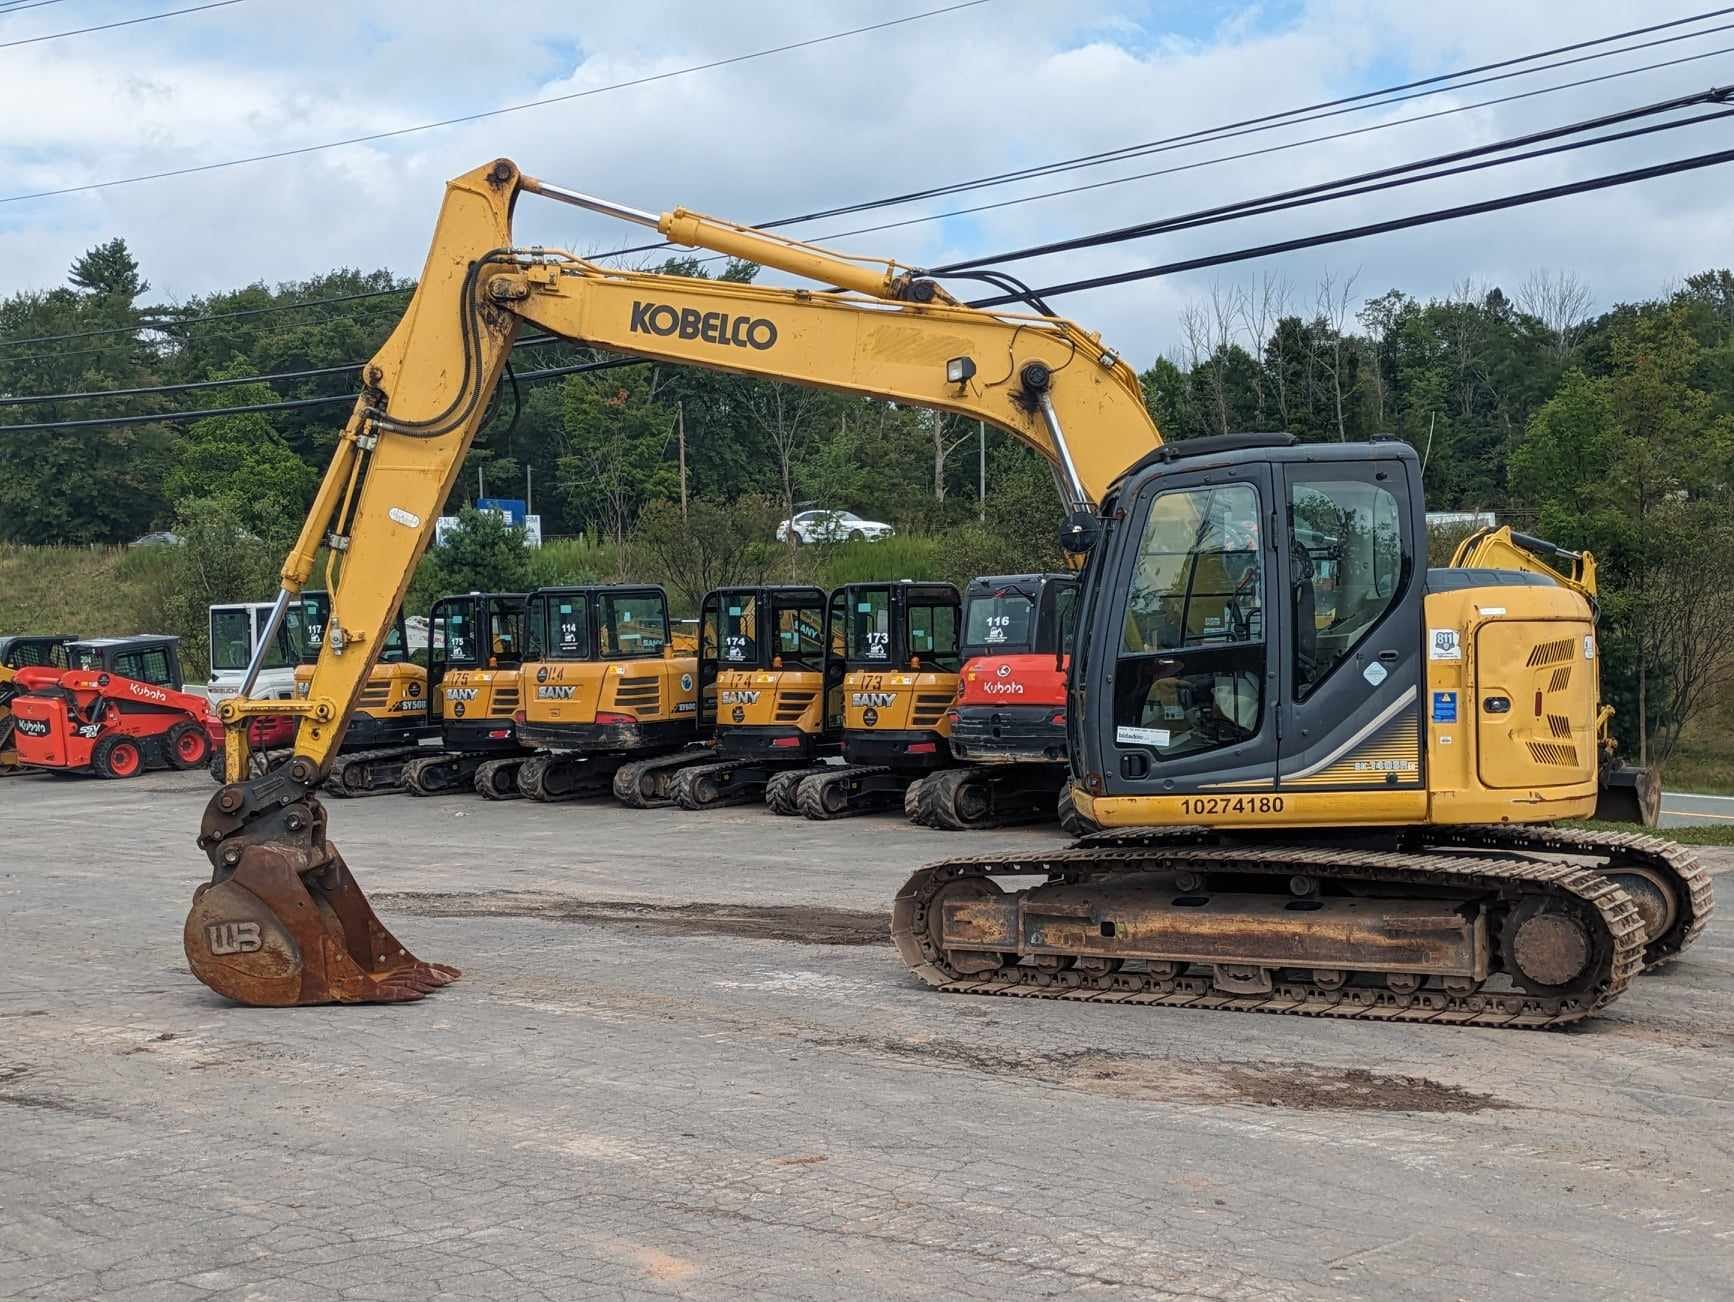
[653, 1101]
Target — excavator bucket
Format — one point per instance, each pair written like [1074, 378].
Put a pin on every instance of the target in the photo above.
[1628, 794]
[284, 923]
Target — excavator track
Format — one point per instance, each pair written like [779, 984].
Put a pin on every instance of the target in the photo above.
[648, 783]
[977, 798]
[497, 779]
[727, 782]
[552, 777]
[783, 791]
[913, 809]
[1670, 887]
[849, 790]
[1526, 921]
[443, 773]
[365, 772]
[1072, 823]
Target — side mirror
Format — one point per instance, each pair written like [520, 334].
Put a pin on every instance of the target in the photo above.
[1079, 532]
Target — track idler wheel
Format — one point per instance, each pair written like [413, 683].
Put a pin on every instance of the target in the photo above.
[1546, 949]
[959, 800]
[434, 775]
[913, 809]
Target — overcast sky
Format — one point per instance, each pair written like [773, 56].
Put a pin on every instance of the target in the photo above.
[1005, 84]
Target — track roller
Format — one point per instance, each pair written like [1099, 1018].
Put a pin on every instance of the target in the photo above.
[497, 779]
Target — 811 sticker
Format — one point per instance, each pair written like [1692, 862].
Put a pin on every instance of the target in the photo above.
[1444, 644]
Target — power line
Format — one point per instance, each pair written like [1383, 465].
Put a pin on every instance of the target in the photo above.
[1049, 168]
[499, 112]
[189, 386]
[1373, 228]
[1249, 153]
[1385, 178]
[289, 404]
[125, 22]
[1266, 122]
[31, 4]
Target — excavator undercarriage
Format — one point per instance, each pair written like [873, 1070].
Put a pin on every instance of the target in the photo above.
[1527, 927]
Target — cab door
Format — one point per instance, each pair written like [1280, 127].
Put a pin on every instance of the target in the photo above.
[710, 634]
[1187, 703]
[1351, 655]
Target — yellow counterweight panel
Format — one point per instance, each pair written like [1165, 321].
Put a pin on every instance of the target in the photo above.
[898, 701]
[1398, 808]
[763, 698]
[471, 694]
[1488, 646]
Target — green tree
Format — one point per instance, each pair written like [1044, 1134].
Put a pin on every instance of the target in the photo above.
[483, 553]
[109, 271]
[617, 450]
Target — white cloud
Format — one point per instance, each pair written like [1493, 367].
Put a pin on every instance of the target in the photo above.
[1000, 86]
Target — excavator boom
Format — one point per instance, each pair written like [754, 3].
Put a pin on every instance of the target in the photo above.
[282, 921]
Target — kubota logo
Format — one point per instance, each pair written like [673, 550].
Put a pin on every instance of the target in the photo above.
[148, 693]
[233, 937]
[879, 699]
[712, 327]
[1003, 689]
[33, 727]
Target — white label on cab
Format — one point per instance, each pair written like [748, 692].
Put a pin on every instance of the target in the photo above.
[1141, 736]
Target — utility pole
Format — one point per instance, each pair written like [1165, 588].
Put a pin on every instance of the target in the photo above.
[981, 466]
[529, 495]
[481, 486]
[680, 436]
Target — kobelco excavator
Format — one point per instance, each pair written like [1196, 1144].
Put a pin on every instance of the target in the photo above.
[1326, 775]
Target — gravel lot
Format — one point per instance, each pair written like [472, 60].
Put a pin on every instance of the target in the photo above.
[661, 1100]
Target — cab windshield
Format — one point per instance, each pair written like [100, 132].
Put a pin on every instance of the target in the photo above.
[868, 640]
[739, 646]
[566, 619]
[1000, 621]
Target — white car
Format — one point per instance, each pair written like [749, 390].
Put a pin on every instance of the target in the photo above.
[832, 526]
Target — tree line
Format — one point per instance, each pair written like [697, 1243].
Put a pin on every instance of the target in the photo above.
[1608, 430]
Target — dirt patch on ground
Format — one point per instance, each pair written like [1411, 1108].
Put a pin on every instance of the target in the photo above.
[797, 923]
[1298, 1086]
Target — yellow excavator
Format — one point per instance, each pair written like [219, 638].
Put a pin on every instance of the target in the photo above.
[1328, 778]
[607, 697]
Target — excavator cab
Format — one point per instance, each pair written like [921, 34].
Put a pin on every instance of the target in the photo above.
[1008, 723]
[770, 678]
[393, 707]
[901, 657]
[609, 702]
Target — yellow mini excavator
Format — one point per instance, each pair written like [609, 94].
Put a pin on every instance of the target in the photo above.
[770, 678]
[901, 659]
[1328, 778]
[608, 704]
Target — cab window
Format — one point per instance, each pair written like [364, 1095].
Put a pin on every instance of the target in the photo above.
[453, 636]
[1347, 568]
[632, 625]
[800, 634]
[1190, 676]
[150, 666]
[1066, 616]
[505, 636]
[740, 630]
[933, 634]
[231, 639]
[568, 633]
[869, 627]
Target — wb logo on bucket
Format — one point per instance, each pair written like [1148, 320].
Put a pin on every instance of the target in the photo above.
[233, 937]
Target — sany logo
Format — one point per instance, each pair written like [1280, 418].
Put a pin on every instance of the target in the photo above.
[148, 693]
[555, 693]
[740, 698]
[877, 699]
[461, 693]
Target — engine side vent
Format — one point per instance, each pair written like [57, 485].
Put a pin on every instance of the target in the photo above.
[1554, 753]
[1552, 653]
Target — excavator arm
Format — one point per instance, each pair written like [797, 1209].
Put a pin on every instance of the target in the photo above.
[282, 921]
